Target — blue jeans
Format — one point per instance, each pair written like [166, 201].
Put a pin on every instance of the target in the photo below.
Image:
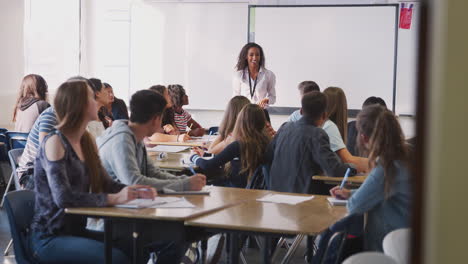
[71, 249]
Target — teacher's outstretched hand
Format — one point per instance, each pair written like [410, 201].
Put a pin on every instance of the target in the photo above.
[252, 79]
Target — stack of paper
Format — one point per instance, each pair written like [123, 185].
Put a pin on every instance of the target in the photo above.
[158, 202]
[282, 198]
[335, 201]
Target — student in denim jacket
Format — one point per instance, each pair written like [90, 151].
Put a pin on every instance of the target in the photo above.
[385, 195]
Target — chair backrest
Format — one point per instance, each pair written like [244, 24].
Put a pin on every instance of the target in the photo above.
[14, 156]
[19, 206]
[16, 139]
[395, 244]
[213, 130]
[369, 258]
[257, 181]
[4, 147]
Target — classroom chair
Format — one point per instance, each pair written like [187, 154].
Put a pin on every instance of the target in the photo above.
[16, 139]
[369, 258]
[213, 130]
[395, 245]
[20, 210]
[3, 147]
[14, 156]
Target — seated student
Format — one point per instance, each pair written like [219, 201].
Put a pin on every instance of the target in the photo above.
[182, 118]
[30, 103]
[123, 153]
[336, 127]
[44, 124]
[304, 87]
[117, 106]
[169, 130]
[385, 195]
[226, 127]
[269, 128]
[301, 149]
[352, 131]
[103, 99]
[68, 174]
[245, 153]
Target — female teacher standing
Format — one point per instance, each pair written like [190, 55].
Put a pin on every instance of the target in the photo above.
[251, 79]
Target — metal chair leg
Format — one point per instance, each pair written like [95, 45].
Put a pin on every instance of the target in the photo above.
[5, 253]
[242, 258]
[6, 189]
[293, 249]
[281, 242]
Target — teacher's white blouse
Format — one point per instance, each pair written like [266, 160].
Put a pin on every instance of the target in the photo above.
[266, 81]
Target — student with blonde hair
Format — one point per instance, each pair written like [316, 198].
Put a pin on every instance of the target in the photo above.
[31, 102]
[246, 152]
[336, 127]
[226, 127]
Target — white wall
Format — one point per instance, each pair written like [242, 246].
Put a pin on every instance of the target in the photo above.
[11, 56]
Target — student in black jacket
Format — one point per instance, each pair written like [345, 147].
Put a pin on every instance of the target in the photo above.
[302, 149]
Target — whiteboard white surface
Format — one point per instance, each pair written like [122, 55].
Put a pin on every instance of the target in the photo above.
[192, 44]
[349, 47]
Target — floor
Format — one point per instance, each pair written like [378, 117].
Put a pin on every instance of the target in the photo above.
[251, 255]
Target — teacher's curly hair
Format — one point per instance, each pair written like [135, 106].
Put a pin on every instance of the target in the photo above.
[242, 60]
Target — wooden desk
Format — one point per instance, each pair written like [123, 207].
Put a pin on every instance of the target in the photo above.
[354, 181]
[172, 162]
[260, 218]
[169, 220]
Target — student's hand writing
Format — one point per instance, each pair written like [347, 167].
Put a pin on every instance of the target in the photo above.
[197, 132]
[197, 182]
[339, 193]
[199, 151]
[263, 103]
[183, 137]
[130, 193]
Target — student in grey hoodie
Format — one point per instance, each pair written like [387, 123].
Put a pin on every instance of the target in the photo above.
[123, 153]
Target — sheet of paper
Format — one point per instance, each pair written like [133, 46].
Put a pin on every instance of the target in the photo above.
[170, 149]
[144, 203]
[205, 138]
[283, 198]
[334, 201]
[183, 203]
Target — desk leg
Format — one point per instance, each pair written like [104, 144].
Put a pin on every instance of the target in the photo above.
[266, 247]
[310, 248]
[137, 247]
[108, 240]
[234, 248]
[204, 247]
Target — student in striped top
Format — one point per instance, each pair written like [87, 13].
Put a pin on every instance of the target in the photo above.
[182, 118]
[44, 124]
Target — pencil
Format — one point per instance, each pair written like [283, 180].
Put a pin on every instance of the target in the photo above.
[190, 128]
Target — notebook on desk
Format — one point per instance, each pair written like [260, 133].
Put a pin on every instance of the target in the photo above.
[337, 202]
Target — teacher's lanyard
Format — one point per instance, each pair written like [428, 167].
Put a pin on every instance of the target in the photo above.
[250, 85]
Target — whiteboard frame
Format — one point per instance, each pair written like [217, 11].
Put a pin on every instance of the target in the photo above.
[352, 112]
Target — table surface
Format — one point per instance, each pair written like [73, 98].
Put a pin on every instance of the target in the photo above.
[353, 179]
[308, 218]
[219, 198]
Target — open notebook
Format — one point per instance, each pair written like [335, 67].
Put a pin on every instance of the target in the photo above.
[158, 202]
[334, 201]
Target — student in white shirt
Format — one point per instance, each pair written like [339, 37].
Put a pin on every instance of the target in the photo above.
[252, 79]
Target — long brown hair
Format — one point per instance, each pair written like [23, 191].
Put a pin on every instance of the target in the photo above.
[70, 101]
[337, 109]
[250, 132]
[386, 140]
[32, 86]
[233, 109]
[168, 116]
